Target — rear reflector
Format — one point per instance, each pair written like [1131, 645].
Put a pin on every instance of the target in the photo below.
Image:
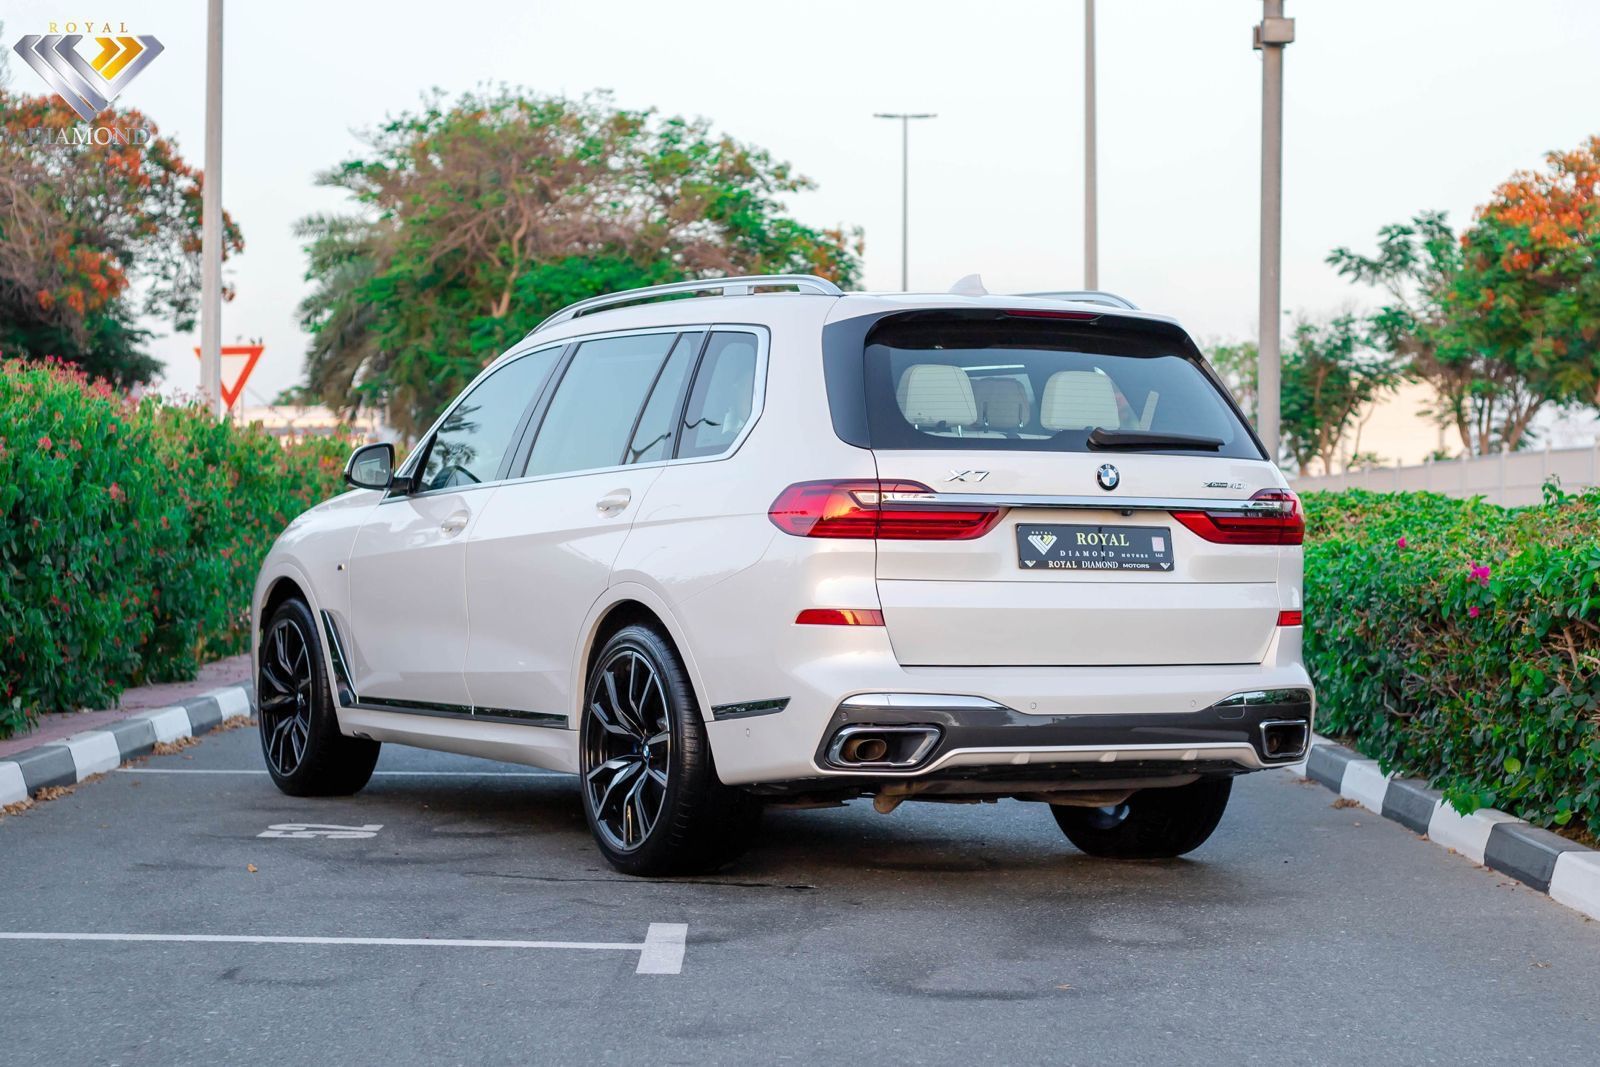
[840, 617]
[1291, 618]
[1274, 519]
[867, 509]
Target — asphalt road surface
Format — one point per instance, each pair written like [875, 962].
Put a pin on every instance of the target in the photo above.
[1301, 933]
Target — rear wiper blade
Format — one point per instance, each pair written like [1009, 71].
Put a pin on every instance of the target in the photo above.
[1104, 440]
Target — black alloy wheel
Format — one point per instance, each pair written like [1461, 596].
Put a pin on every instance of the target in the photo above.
[284, 694]
[650, 789]
[306, 754]
[628, 750]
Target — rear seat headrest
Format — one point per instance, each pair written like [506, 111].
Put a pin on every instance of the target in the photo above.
[1079, 400]
[1002, 403]
[934, 393]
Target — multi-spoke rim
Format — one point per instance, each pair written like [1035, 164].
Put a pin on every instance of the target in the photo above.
[627, 748]
[284, 695]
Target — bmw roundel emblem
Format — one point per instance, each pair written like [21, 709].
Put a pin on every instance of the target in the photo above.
[1107, 476]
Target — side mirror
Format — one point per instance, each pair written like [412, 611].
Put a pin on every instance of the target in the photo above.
[371, 466]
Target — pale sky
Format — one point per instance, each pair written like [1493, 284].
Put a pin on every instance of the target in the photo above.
[1392, 106]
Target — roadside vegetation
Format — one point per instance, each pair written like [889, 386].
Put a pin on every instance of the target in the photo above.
[1458, 641]
[1501, 321]
[130, 536]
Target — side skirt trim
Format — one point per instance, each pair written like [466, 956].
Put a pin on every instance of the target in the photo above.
[749, 709]
[349, 698]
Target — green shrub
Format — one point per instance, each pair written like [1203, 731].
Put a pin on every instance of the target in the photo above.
[130, 536]
[1458, 641]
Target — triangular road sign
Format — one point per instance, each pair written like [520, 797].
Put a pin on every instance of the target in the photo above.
[237, 363]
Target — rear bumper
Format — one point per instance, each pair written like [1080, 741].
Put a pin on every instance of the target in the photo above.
[1014, 717]
[1234, 731]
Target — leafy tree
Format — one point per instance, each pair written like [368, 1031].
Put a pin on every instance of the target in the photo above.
[478, 218]
[1330, 374]
[1416, 265]
[92, 236]
[1238, 365]
[1529, 284]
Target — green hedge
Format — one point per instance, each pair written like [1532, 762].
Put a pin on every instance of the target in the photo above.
[1458, 641]
[130, 536]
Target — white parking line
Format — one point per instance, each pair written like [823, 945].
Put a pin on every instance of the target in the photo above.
[375, 774]
[661, 952]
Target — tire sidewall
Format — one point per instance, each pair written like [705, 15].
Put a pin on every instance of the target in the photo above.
[690, 761]
[324, 722]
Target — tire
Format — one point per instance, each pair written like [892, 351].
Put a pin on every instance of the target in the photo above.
[306, 754]
[650, 790]
[1151, 824]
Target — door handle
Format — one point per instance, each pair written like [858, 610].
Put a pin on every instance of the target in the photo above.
[454, 524]
[613, 501]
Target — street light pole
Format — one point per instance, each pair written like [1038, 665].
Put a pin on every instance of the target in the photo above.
[1271, 37]
[1091, 180]
[905, 188]
[211, 235]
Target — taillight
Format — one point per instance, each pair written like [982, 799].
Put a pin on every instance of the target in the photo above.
[867, 509]
[1291, 618]
[1275, 518]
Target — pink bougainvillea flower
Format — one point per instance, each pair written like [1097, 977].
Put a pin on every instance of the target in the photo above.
[1473, 612]
[1400, 543]
[116, 493]
[45, 444]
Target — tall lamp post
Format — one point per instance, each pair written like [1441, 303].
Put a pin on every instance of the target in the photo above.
[905, 188]
[211, 236]
[1091, 180]
[1272, 36]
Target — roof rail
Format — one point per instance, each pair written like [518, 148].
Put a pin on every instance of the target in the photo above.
[1087, 296]
[740, 286]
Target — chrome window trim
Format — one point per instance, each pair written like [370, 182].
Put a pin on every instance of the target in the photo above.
[758, 404]
[409, 466]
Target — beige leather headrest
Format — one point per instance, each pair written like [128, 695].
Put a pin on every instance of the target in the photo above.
[931, 393]
[1078, 400]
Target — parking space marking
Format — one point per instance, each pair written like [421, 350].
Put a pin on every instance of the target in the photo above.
[332, 831]
[661, 952]
[375, 774]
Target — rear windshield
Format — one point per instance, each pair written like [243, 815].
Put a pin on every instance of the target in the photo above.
[1041, 385]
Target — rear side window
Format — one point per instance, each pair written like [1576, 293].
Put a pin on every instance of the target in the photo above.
[723, 398]
[948, 382]
[473, 439]
[597, 403]
[652, 438]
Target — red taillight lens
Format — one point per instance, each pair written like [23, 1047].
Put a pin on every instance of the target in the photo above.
[1291, 618]
[1277, 521]
[840, 617]
[868, 509]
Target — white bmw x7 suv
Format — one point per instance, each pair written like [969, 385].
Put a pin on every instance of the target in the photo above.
[794, 545]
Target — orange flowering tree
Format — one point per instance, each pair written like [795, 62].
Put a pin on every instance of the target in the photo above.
[94, 235]
[1529, 285]
[1504, 320]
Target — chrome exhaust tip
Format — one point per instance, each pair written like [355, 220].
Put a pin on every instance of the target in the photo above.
[1284, 739]
[862, 746]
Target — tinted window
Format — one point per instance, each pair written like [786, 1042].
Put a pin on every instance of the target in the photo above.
[472, 440]
[652, 440]
[952, 383]
[594, 408]
[723, 397]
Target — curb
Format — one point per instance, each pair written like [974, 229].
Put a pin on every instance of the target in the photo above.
[1565, 870]
[72, 759]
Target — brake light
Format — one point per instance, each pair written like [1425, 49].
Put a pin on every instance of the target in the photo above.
[1291, 618]
[1276, 519]
[839, 617]
[1040, 313]
[869, 509]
